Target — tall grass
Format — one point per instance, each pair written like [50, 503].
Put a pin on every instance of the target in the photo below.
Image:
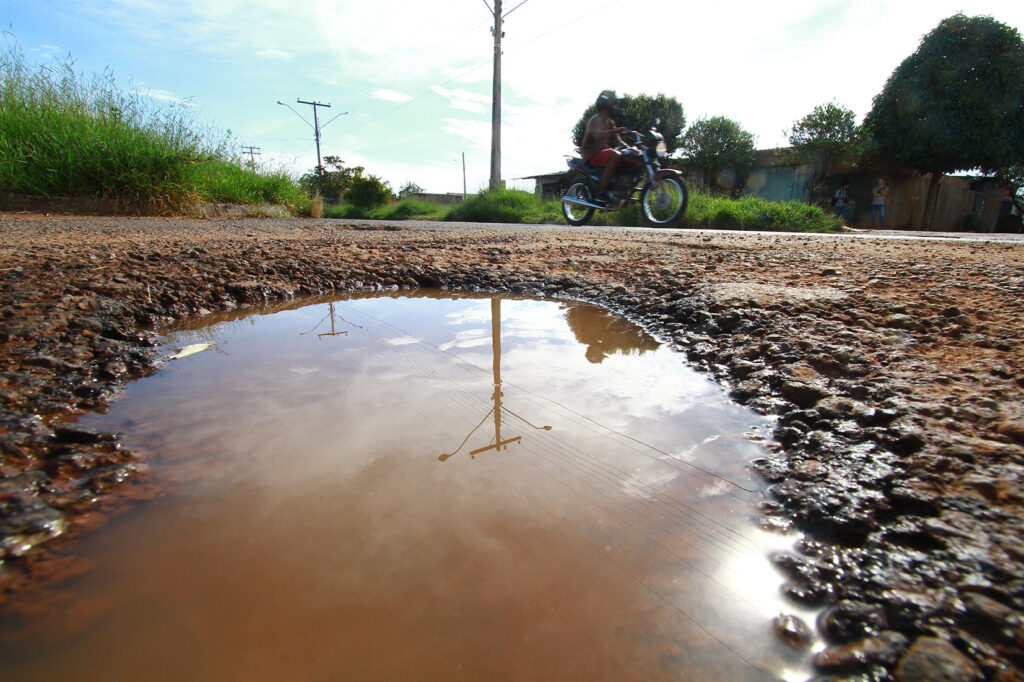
[505, 206]
[705, 211]
[406, 209]
[65, 133]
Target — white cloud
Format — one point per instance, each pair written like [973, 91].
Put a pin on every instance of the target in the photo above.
[391, 96]
[464, 100]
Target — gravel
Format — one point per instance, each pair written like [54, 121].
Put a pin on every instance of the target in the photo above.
[893, 365]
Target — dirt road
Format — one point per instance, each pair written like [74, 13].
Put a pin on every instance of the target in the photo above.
[893, 364]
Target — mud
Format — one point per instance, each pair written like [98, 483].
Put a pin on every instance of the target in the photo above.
[894, 366]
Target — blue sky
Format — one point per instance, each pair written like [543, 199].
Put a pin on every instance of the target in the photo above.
[415, 77]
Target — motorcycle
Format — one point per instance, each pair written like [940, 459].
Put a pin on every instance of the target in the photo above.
[639, 178]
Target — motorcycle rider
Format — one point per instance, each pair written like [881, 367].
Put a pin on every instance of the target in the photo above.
[600, 139]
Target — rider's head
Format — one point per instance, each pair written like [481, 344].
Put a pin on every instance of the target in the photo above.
[606, 101]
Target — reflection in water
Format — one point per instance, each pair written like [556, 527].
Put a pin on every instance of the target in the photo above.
[603, 333]
[497, 407]
[309, 531]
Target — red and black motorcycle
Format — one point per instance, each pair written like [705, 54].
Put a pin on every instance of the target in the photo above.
[639, 178]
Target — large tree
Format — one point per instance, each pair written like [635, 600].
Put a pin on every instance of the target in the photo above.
[826, 136]
[957, 103]
[716, 145]
[640, 114]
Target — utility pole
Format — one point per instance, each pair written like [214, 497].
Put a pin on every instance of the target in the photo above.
[498, 34]
[463, 176]
[316, 124]
[253, 152]
[495, 182]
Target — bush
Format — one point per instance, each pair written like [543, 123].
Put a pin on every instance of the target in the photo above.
[368, 191]
[505, 206]
[755, 213]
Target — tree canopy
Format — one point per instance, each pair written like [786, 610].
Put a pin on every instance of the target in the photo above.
[331, 180]
[718, 144]
[641, 111]
[957, 103]
[826, 135]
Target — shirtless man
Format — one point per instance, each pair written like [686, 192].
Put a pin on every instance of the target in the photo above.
[600, 139]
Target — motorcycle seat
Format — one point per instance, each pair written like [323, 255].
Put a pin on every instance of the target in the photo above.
[578, 164]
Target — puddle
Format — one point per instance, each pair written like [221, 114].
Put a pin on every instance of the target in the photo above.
[418, 487]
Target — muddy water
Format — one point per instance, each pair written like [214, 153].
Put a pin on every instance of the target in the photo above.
[421, 488]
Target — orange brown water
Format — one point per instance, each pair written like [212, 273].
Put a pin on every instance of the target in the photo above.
[337, 508]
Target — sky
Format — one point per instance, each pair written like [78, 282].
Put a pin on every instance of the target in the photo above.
[415, 77]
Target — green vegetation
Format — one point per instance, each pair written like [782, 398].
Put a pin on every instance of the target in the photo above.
[640, 113]
[754, 213]
[721, 149]
[506, 206]
[708, 210]
[406, 209]
[64, 134]
[827, 136]
[955, 103]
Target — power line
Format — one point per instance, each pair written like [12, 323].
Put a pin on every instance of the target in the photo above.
[316, 123]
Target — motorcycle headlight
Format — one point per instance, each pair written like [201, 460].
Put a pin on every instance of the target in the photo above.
[661, 149]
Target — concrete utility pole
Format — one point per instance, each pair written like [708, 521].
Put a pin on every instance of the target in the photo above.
[495, 182]
[498, 33]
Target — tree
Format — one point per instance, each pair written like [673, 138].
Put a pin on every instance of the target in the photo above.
[640, 113]
[827, 135]
[721, 149]
[331, 180]
[408, 189]
[955, 103]
[368, 192]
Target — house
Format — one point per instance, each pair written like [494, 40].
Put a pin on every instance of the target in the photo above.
[964, 203]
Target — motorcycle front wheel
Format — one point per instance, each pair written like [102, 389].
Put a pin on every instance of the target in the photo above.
[663, 202]
[577, 215]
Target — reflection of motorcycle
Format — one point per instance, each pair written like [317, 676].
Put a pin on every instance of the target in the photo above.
[639, 178]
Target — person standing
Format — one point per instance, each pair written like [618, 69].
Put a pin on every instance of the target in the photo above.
[841, 200]
[879, 193]
[819, 195]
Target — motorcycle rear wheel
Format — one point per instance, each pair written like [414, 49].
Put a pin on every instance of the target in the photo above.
[577, 215]
[663, 202]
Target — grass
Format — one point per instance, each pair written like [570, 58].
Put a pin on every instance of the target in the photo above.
[63, 133]
[505, 206]
[754, 213]
[705, 211]
[406, 209]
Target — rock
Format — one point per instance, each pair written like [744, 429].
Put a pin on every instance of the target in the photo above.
[882, 649]
[931, 659]
[1012, 429]
[802, 393]
[791, 630]
[848, 619]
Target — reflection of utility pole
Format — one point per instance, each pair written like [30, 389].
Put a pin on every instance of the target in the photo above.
[332, 332]
[498, 443]
[496, 364]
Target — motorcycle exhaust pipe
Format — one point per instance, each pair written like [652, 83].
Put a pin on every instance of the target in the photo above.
[574, 201]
